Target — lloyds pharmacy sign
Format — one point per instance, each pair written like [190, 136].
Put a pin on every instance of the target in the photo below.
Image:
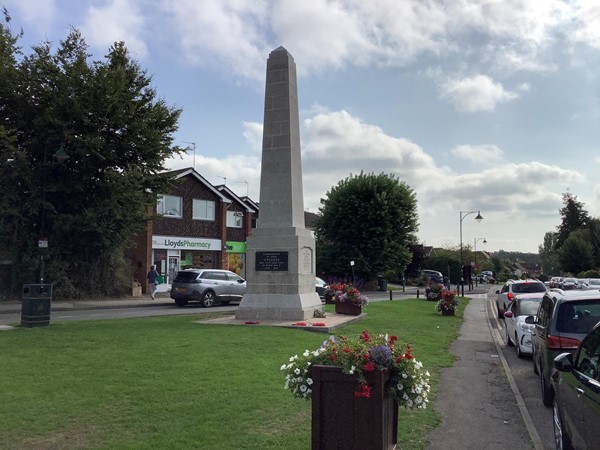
[185, 243]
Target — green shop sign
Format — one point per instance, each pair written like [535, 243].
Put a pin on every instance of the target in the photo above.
[235, 247]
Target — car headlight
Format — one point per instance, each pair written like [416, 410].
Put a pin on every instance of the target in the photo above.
[526, 328]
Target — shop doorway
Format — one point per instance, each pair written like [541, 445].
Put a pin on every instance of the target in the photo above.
[173, 268]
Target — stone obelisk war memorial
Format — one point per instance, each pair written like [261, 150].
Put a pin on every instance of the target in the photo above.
[280, 253]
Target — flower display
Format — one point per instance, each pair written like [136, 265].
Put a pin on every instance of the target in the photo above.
[448, 302]
[409, 382]
[346, 293]
[435, 291]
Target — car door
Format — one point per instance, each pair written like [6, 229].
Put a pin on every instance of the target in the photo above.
[511, 322]
[587, 372]
[236, 287]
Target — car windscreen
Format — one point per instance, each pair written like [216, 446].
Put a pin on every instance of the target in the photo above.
[528, 307]
[523, 288]
[578, 316]
[186, 277]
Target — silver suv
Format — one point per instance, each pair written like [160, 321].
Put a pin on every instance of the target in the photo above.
[512, 288]
[563, 319]
[207, 286]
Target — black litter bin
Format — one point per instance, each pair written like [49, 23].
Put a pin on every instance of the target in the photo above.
[382, 283]
[35, 305]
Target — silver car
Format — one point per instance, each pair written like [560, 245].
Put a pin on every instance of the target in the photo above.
[207, 286]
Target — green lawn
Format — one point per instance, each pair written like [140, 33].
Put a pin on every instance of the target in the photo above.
[170, 383]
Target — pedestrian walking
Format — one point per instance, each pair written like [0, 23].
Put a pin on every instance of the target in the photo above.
[153, 281]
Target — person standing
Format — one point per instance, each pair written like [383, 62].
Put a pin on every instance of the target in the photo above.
[153, 281]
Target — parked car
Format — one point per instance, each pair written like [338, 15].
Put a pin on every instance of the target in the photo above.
[321, 287]
[593, 283]
[433, 275]
[555, 282]
[518, 333]
[569, 283]
[562, 321]
[513, 287]
[576, 384]
[207, 286]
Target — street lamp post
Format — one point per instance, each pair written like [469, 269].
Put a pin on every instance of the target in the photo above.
[478, 218]
[475, 241]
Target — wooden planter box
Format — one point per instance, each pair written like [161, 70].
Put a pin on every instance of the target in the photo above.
[341, 421]
[447, 312]
[350, 309]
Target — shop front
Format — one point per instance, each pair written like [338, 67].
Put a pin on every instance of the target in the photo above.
[236, 257]
[172, 253]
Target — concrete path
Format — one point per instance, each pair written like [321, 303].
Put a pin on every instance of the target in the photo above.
[479, 409]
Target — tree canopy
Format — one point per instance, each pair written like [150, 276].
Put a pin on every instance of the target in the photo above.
[574, 217]
[81, 143]
[369, 219]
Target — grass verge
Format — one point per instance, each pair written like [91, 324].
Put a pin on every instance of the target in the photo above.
[167, 382]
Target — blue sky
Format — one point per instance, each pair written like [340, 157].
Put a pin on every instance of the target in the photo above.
[489, 105]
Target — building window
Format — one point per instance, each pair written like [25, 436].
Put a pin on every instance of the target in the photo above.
[169, 206]
[203, 209]
[235, 219]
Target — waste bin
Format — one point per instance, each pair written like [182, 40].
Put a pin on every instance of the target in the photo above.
[35, 305]
[382, 283]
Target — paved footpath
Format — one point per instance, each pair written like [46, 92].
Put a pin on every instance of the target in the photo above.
[478, 407]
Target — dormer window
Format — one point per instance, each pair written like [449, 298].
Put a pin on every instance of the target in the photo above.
[235, 219]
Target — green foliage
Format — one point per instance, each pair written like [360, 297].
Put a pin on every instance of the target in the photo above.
[549, 254]
[369, 219]
[575, 255]
[573, 216]
[105, 117]
[444, 259]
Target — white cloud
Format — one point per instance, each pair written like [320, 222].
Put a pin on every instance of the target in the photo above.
[478, 93]
[483, 155]
[41, 12]
[253, 133]
[117, 20]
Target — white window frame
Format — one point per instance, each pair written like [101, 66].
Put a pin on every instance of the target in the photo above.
[203, 209]
[235, 219]
[169, 206]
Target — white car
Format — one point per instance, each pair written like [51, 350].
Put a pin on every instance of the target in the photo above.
[518, 333]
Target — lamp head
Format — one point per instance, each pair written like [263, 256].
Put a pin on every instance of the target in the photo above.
[479, 217]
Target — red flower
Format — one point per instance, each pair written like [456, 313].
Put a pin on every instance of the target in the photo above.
[369, 367]
[318, 324]
[363, 391]
[365, 336]
[346, 350]
[408, 355]
[299, 324]
[393, 338]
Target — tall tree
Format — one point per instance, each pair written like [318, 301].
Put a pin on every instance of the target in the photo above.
[81, 143]
[369, 219]
[574, 217]
[548, 254]
[575, 255]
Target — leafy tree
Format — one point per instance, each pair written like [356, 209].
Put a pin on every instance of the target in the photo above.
[446, 261]
[417, 260]
[575, 255]
[369, 219]
[105, 117]
[574, 217]
[549, 255]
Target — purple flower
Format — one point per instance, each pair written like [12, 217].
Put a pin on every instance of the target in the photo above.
[381, 355]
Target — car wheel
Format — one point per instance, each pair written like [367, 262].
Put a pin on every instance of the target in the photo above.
[519, 352]
[561, 438]
[181, 302]
[208, 299]
[508, 341]
[500, 313]
[547, 394]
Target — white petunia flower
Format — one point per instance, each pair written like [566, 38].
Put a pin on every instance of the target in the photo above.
[283, 367]
[309, 381]
[400, 386]
[297, 371]
[306, 353]
[303, 388]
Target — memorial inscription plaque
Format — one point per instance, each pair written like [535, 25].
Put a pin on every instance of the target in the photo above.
[271, 261]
